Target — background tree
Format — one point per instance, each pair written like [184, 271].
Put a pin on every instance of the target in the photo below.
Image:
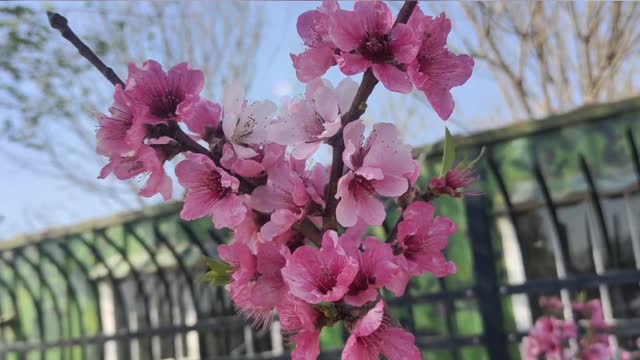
[50, 94]
[550, 57]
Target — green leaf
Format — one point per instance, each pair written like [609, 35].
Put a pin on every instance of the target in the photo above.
[328, 309]
[219, 273]
[448, 154]
[581, 297]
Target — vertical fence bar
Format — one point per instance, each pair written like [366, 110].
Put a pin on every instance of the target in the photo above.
[597, 205]
[124, 348]
[192, 237]
[139, 286]
[4, 323]
[36, 301]
[188, 278]
[14, 285]
[449, 313]
[92, 285]
[487, 288]
[160, 273]
[521, 301]
[634, 152]
[18, 331]
[502, 187]
[72, 297]
[562, 250]
[632, 218]
[600, 234]
[633, 229]
[44, 284]
[559, 239]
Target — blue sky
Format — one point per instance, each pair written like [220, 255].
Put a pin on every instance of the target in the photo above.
[31, 203]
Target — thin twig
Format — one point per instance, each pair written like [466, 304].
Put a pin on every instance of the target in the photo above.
[59, 22]
[358, 108]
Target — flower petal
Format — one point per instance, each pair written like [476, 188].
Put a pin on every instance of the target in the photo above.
[313, 63]
[392, 78]
[403, 44]
[352, 64]
[346, 30]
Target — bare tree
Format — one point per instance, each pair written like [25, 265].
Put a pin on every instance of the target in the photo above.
[550, 57]
[52, 95]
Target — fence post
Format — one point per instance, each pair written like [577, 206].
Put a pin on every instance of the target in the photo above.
[486, 276]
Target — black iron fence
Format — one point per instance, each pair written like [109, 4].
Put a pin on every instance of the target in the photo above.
[125, 288]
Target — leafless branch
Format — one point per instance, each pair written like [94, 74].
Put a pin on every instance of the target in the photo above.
[553, 57]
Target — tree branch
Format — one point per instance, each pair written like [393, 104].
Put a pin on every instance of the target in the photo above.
[61, 24]
[485, 32]
[358, 108]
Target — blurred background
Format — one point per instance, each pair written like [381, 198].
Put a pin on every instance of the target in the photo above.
[91, 270]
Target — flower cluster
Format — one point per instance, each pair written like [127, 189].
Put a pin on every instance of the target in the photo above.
[400, 56]
[552, 338]
[249, 166]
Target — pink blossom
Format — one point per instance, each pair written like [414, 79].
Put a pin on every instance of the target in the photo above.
[552, 304]
[313, 28]
[375, 268]
[158, 96]
[367, 39]
[453, 183]
[306, 123]
[597, 351]
[594, 312]
[146, 161]
[321, 275]
[315, 181]
[297, 315]
[381, 165]
[596, 345]
[266, 157]
[205, 119]
[119, 133]
[211, 191]
[435, 70]
[245, 125]
[248, 232]
[284, 197]
[374, 334]
[549, 337]
[300, 319]
[248, 168]
[413, 178]
[257, 285]
[307, 345]
[421, 240]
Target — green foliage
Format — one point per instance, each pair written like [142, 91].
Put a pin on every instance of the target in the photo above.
[331, 337]
[448, 154]
[219, 273]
